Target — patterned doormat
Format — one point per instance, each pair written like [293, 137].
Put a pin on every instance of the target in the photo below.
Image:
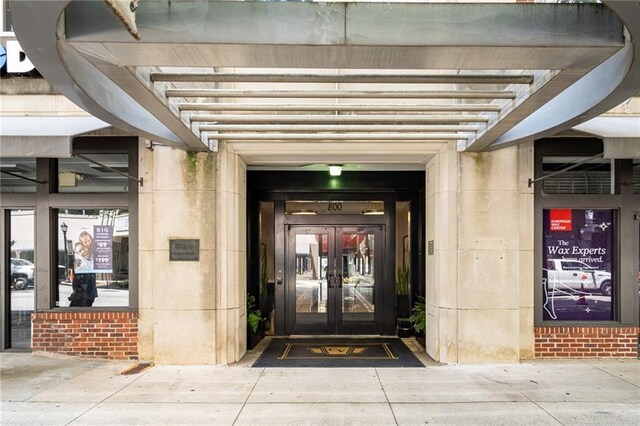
[337, 352]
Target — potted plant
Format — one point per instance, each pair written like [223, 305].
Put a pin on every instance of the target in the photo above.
[419, 319]
[255, 323]
[402, 292]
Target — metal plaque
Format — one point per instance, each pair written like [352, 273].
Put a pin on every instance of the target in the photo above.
[184, 250]
[430, 248]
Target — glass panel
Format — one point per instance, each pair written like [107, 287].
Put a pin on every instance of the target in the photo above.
[13, 170]
[358, 266]
[78, 175]
[267, 265]
[593, 177]
[22, 298]
[578, 281]
[334, 207]
[403, 258]
[93, 258]
[311, 278]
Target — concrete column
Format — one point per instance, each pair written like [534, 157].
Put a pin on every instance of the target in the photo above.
[480, 277]
[178, 299]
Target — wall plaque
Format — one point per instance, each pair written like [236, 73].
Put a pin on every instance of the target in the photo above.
[430, 249]
[184, 250]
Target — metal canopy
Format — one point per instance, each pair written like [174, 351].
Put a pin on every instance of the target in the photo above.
[258, 72]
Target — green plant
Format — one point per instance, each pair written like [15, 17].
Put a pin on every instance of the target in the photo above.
[402, 281]
[254, 316]
[419, 316]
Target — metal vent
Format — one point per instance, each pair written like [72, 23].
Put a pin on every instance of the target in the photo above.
[579, 182]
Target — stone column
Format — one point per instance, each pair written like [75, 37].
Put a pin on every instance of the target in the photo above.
[480, 277]
[230, 267]
[177, 299]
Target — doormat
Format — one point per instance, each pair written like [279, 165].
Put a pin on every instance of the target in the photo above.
[337, 352]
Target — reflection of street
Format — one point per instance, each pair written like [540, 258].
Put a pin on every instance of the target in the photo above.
[311, 296]
[24, 300]
[562, 303]
[106, 296]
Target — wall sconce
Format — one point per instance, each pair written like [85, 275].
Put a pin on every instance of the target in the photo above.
[69, 179]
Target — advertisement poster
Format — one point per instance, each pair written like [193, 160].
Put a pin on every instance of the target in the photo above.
[94, 250]
[577, 264]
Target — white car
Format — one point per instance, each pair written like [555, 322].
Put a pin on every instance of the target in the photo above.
[21, 273]
[565, 275]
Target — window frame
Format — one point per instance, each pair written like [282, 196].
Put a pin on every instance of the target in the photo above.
[626, 246]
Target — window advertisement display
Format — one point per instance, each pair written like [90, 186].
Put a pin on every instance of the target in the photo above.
[93, 253]
[578, 264]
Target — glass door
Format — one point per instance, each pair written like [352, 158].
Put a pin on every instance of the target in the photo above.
[333, 279]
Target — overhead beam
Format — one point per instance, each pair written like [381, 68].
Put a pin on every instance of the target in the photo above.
[353, 119]
[239, 106]
[333, 128]
[339, 94]
[339, 136]
[342, 78]
[351, 35]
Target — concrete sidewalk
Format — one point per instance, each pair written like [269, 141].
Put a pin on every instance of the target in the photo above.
[40, 390]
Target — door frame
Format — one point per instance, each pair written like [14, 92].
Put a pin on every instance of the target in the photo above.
[334, 316]
[277, 187]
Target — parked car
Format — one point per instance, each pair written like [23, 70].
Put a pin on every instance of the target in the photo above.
[21, 273]
[566, 275]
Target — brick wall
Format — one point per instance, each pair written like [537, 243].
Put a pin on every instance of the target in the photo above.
[586, 342]
[112, 335]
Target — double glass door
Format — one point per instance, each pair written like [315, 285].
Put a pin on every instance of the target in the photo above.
[333, 278]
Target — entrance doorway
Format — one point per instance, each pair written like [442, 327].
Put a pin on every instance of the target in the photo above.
[333, 276]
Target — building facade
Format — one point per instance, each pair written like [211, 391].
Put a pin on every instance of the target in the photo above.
[499, 184]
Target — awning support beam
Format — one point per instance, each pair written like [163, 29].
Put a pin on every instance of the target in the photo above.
[111, 169]
[566, 169]
[22, 177]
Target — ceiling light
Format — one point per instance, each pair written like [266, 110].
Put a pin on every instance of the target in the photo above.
[335, 169]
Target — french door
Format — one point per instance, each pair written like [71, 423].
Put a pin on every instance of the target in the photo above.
[333, 277]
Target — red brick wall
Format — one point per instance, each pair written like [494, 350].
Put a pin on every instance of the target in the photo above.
[586, 342]
[112, 335]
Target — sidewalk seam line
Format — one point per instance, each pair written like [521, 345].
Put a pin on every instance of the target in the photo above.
[248, 396]
[385, 396]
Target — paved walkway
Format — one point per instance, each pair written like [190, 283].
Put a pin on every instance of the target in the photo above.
[40, 390]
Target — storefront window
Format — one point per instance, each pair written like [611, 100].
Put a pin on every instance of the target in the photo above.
[22, 284]
[93, 253]
[17, 175]
[578, 264]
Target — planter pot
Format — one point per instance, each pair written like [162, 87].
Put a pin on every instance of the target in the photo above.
[420, 338]
[254, 338]
[404, 328]
[402, 306]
